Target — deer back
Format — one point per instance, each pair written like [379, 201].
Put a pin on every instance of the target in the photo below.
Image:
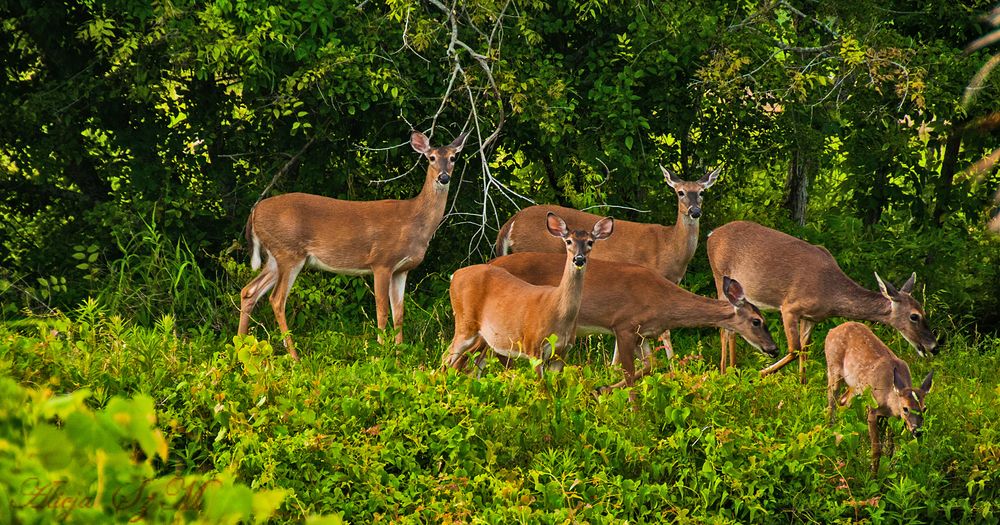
[633, 242]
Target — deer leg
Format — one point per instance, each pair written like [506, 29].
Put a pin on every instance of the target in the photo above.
[665, 342]
[731, 339]
[456, 356]
[396, 288]
[253, 291]
[791, 323]
[888, 438]
[286, 278]
[832, 382]
[724, 342]
[626, 340]
[874, 436]
[805, 330]
[648, 360]
[382, 279]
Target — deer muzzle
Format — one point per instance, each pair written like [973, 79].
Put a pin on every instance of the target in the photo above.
[444, 178]
[580, 260]
[694, 212]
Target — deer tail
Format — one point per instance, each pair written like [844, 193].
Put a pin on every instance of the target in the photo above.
[502, 246]
[253, 242]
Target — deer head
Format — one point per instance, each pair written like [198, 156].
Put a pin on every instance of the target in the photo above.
[689, 192]
[579, 242]
[906, 316]
[442, 160]
[908, 402]
[748, 321]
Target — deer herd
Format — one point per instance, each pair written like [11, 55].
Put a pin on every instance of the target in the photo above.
[559, 273]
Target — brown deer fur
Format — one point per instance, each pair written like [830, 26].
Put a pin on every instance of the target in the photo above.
[857, 357]
[387, 238]
[802, 280]
[635, 303]
[515, 318]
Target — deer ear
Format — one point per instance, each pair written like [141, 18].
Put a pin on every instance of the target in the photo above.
[672, 179]
[604, 228]
[556, 226]
[733, 291]
[897, 381]
[908, 285]
[459, 142]
[887, 289]
[419, 142]
[926, 385]
[709, 179]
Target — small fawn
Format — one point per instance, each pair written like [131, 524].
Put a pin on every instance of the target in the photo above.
[862, 361]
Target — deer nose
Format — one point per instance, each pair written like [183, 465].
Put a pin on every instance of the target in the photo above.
[694, 212]
[580, 260]
[443, 178]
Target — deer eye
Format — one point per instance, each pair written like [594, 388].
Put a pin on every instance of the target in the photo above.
[914, 317]
[590, 243]
[906, 410]
[451, 158]
[568, 242]
[755, 322]
[680, 193]
[433, 158]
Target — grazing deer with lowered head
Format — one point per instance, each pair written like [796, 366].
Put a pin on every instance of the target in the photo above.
[515, 318]
[858, 358]
[635, 304]
[387, 238]
[667, 250]
[802, 280]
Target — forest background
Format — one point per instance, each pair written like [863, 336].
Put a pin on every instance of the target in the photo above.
[137, 136]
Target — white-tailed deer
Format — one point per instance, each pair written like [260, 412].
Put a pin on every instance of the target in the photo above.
[387, 238]
[859, 359]
[667, 250]
[634, 304]
[518, 319]
[802, 280]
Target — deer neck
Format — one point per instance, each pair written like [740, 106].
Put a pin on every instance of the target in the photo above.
[692, 311]
[429, 205]
[854, 301]
[685, 238]
[569, 292]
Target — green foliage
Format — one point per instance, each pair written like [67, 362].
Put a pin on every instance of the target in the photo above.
[63, 462]
[378, 439]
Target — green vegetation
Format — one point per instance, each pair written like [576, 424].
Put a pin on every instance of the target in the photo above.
[137, 136]
[370, 433]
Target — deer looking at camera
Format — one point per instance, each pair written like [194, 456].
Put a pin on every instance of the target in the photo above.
[858, 358]
[635, 304]
[666, 250]
[387, 238]
[802, 280]
[515, 318]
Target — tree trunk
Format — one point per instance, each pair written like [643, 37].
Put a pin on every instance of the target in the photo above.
[801, 170]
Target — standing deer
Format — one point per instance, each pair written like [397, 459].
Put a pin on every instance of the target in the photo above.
[802, 280]
[387, 238]
[856, 357]
[515, 318]
[634, 303]
[667, 250]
